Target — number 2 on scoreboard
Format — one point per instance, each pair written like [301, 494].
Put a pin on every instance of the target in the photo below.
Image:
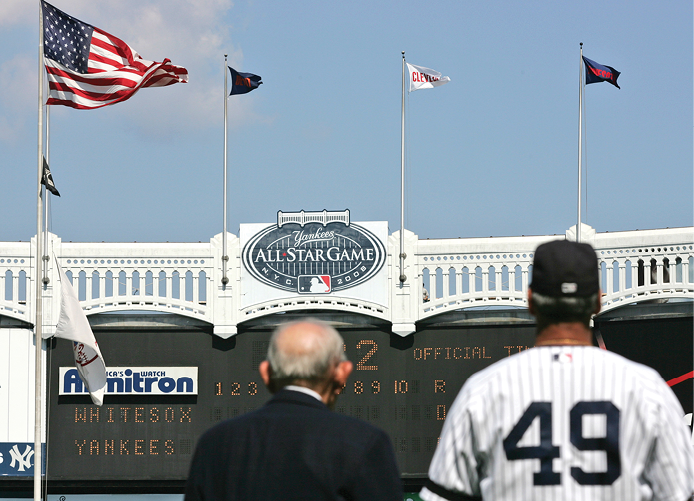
[361, 364]
[546, 451]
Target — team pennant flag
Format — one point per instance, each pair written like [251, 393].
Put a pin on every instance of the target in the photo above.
[88, 68]
[73, 325]
[598, 73]
[47, 179]
[424, 78]
[242, 83]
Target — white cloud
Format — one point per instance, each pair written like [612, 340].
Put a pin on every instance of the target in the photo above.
[191, 33]
[8, 133]
[18, 11]
[19, 94]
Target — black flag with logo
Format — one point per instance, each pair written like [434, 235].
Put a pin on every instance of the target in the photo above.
[47, 179]
[242, 83]
[596, 72]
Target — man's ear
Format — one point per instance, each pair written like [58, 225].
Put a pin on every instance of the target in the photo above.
[531, 307]
[598, 307]
[342, 372]
[265, 372]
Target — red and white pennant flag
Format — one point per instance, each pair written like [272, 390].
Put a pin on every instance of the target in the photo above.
[424, 78]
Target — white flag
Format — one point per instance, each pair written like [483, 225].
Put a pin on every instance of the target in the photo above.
[73, 325]
[424, 78]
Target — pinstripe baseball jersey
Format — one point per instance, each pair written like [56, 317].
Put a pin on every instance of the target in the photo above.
[558, 423]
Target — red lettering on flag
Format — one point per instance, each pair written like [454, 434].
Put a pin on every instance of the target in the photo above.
[423, 77]
[246, 82]
[601, 73]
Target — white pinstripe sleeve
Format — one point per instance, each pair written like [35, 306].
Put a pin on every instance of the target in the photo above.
[454, 466]
[670, 467]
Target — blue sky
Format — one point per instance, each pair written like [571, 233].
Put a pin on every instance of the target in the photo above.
[493, 153]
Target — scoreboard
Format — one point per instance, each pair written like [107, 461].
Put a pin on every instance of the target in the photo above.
[665, 344]
[402, 385]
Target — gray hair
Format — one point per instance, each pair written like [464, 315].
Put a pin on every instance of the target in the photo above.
[307, 366]
[552, 310]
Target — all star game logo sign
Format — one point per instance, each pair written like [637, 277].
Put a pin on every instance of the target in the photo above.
[314, 253]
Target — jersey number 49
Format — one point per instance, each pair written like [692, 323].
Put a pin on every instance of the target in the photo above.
[546, 451]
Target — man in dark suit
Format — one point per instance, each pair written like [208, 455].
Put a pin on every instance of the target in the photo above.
[295, 447]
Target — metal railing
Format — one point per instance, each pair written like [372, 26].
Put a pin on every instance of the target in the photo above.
[323, 217]
[185, 278]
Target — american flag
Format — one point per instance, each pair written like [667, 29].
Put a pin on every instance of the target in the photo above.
[88, 68]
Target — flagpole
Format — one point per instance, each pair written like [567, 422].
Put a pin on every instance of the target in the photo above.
[225, 257]
[44, 192]
[402, 177]
[580, 139]
[37, 279]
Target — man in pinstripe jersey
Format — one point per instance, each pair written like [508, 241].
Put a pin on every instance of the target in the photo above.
[564, 420]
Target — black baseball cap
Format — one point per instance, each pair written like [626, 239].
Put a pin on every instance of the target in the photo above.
[565, 269]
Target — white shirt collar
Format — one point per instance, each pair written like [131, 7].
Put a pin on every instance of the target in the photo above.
[303, 389]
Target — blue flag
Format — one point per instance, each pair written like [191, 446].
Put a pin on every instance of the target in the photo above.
[598, 73]
[241, 83]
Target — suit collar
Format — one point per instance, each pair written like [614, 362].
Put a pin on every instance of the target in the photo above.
[296, 397]
[303, 389]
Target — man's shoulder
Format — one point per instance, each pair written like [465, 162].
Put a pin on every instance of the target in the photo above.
[291, 403]
[353, 422]
[501, 366]
[321, 418]
[538, 359]
[594, 355]
[583, 354]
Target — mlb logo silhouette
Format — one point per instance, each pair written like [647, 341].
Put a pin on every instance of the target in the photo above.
[314, 284]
